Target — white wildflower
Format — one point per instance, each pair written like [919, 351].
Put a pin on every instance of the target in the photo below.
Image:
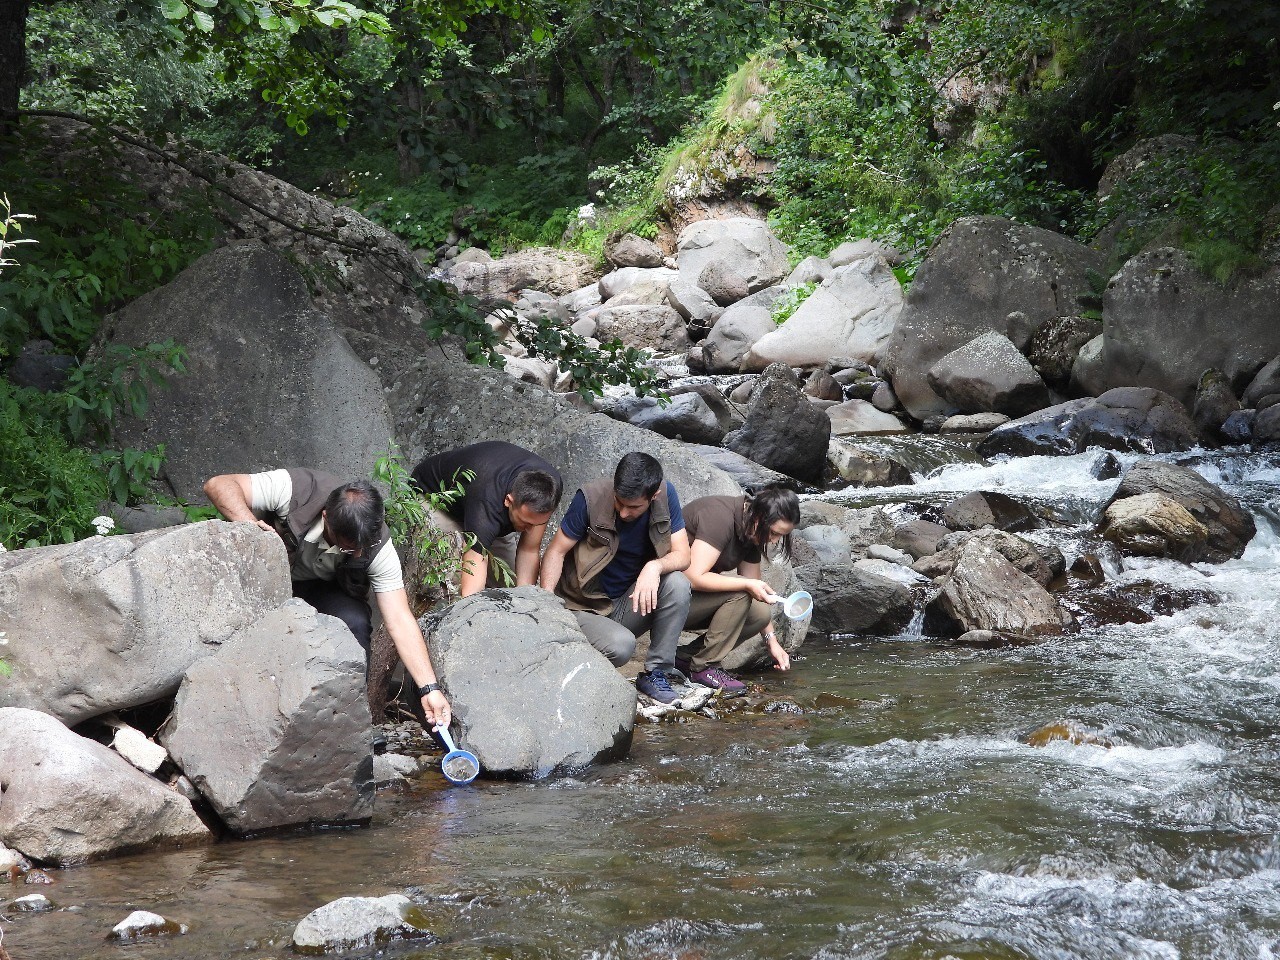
[103, 525]
[587, 211]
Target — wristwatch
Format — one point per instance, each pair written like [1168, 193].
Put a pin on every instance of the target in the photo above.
[427, 688]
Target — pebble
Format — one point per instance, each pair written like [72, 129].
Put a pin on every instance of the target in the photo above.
[33, 903]
[357, 923]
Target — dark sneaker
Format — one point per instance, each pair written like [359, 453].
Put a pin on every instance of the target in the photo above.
[717, 679]
[682, 664]
[656, 686]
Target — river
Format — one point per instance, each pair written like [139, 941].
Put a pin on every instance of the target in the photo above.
[881, 802]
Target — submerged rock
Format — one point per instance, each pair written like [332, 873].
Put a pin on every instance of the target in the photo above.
[358, 923]
[33, 903]
[141, 925]
[530, 695]
[68, 799]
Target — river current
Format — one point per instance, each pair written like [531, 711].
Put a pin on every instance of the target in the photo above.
[885, 802]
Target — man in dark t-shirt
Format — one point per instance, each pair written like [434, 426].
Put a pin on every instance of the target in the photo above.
[504, 509]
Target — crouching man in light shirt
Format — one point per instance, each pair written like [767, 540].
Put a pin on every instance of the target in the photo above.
[338, 546]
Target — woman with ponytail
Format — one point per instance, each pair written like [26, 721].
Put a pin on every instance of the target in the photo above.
[729, 536]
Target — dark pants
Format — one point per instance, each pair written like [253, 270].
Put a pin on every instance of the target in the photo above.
[327, 597]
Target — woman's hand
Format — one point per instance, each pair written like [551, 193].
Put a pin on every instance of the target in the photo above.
[781, 659]
[758, 589]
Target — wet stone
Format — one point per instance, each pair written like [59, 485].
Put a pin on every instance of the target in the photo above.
[33, 903]
[357, 923]
[141, 925]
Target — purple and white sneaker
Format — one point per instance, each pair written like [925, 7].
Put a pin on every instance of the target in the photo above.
[717, 679]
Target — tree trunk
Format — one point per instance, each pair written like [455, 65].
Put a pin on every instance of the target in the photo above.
[13, 57]
[409, 135]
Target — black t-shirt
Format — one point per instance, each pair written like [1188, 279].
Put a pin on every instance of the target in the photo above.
[495, 464]
[722, 523]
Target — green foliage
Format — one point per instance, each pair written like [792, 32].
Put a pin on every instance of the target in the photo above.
[100, 242]
[50, 490]
[10, 230]
[117, 380]
[409, 509]
[789, 302]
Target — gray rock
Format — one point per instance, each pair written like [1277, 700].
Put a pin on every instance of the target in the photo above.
[1023, 554]
[919, 537]
[694, 304]
[68, 800]
[883, 398]
[620, 281]
[1228, 525]
[390, 769]
[144, 517]
[890, 571]
[808, 270]
[1135, 419]
[740, 326]
[584, 326]
[973, 422]
[531, 370]
[989, 375]
[879, 551]
[647, 327]
[12, 860]
[115, 622]
[822, 386]
[274, 729]
[746, 246]
[1154, 525]
[536, 305]
[849, 600]
[143, 925]
[1054, 347]
[723, 284]
[783, 431]
[1214, 402]
[984, 591]
[729, 415]
[863, 468]
[855, 417]
[983, 274]
[1165, 322]
[256, 343]
[979, 509]
[687, 417]
[852, 314]
[1238, 427]
[749, 475]
[473, 255]
[852, 251]
[582, 300]
[829, 542]
[39, 367]
[530, 696]
[1264, 386]
[548, 269]
[33, 903]
[632, 251]
[359, 923]
[1266, 429]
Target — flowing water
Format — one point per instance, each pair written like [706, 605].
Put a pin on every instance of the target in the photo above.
[886, 802]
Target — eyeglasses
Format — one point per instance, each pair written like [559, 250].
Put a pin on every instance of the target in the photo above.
[333, 541]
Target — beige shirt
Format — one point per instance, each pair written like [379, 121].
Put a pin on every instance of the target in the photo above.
[316, 559]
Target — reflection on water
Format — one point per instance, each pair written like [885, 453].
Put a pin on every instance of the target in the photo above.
[903, 812]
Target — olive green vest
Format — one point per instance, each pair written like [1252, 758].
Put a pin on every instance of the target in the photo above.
[579, 585]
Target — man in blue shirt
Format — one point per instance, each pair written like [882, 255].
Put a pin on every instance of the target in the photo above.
[616, 562]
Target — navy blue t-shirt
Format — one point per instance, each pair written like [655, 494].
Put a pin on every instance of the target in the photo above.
[634, 547]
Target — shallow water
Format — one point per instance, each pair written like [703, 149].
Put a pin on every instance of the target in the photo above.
[902, 814]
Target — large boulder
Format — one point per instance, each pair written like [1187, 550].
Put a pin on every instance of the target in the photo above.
[1054, 347]
[783, 430]
[851, 314]
[850, 600]
[110, 623]
[269, 381]
[655, 326]
[1228, 525]
[274, 729]
[1215, 401]
[1264, 389]
[67, 799]
[632, 251]
[723, 283]
[1165, 321]
[1137, 419]
[989, 375]
[693, 303]
[644, 281]
[855, 417]
[686, 417]
[984, 591]
[546, 269]
[983, 274]
[737, 329]
[530, 695]
[1153, 525]
[744, 245]
[988, 508]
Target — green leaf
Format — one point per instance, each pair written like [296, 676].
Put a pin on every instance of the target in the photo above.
[203, 21]
[173, 9]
